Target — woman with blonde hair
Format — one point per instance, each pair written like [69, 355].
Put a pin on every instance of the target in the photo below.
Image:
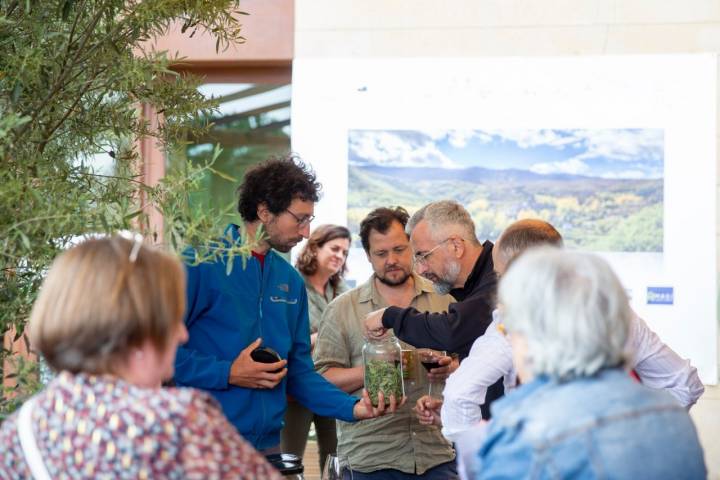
[322, 265]
[108, 320]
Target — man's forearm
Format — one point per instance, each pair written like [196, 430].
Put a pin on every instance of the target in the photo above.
[660, 367]
[346, 379]
[198, 370]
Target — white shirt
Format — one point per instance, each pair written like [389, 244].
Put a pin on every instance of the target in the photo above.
[467, 446]
[490, 358]
[659, 367]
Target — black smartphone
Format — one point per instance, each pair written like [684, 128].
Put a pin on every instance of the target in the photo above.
[266, 355]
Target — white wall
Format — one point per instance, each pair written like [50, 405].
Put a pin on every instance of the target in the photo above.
[461, 28]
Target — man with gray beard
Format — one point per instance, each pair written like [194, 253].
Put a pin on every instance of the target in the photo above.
[447, 252]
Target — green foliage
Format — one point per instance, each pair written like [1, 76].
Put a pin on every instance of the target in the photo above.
[73, 77]
[641, 231]
[383, 376]
[591, 213]
[26, 380]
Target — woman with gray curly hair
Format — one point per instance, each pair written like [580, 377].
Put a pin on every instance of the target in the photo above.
[578, 413]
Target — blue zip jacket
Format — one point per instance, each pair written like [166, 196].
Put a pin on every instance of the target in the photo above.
[225, 313]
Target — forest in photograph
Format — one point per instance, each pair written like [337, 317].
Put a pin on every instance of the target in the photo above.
[603, 189]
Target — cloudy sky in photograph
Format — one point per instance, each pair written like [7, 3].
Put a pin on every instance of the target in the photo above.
[606, 153]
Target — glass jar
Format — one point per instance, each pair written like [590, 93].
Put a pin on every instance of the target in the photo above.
[382, 366]
[409, 366]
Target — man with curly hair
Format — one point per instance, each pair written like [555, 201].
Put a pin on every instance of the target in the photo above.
[263, 304]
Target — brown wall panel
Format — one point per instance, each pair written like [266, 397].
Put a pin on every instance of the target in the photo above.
[268, 32]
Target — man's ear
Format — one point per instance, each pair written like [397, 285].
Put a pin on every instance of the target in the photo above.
[458, 246]
[264, 213]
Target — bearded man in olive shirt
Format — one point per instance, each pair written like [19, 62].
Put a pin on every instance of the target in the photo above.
[397, 446]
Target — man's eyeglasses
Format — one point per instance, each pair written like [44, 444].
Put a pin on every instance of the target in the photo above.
[302, 222]
[422, 258]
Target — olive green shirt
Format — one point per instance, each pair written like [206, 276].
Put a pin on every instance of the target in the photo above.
[317, 302]
[396, 441]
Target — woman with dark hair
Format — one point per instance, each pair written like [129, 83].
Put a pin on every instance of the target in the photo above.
[322, 265]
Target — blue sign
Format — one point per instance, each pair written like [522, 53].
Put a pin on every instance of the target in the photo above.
[660, 295]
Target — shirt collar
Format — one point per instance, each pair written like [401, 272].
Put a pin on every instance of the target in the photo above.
[232, 233]
[310, 288]
[369, 292]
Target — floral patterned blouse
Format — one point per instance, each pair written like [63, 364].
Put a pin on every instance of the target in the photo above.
[89, 426]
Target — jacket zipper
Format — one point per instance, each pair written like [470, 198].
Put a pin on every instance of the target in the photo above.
[263, 276]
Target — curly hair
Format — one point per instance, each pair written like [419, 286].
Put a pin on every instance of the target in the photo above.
[276, 182]
[380, 220]
[307, 262]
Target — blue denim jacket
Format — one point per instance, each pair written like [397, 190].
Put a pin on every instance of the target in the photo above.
[606, 426]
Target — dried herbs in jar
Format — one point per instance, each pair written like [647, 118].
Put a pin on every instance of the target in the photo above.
[383, 369]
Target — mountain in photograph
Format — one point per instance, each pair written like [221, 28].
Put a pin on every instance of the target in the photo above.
[602, 189]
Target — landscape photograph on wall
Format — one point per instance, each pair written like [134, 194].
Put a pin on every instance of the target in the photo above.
[602, 188]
